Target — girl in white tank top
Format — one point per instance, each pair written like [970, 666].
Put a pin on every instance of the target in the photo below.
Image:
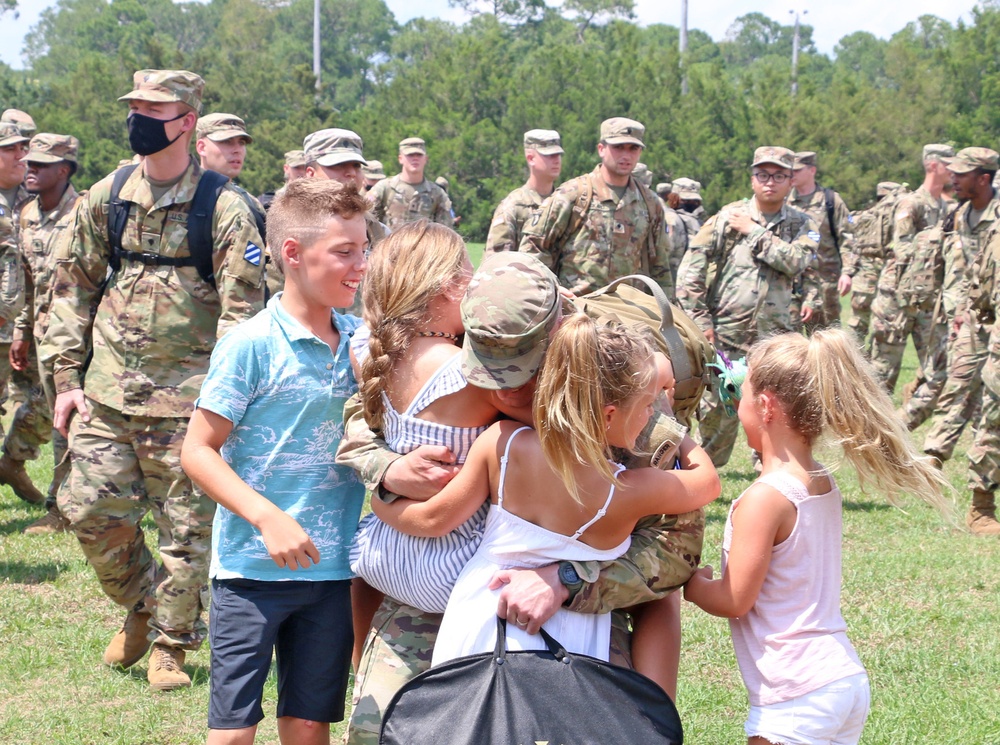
[781, 562]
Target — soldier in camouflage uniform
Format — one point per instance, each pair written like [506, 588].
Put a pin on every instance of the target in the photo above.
[899, 311]
[155, 326]
[408, 196]
[604, 224]
[753, 250]
[373, 172]
[46, 221]
[836, 262]
[977, 223]
[221, 143]
[509, 310]
[293, 168]
[673, 222]
[13, 196]
[21, 119]
[872, 236]
[543, 152]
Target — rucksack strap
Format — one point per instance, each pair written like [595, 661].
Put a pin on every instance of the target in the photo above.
[829, 194]
[678, 352]
[118, 210]
[199, 223]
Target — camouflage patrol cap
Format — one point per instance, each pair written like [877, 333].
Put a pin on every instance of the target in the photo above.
[374, 169]
[972, 158]
[51, 148]
[779, 156]
[219, 127]
[510, 309]
[664, 188]
[442, 182]
[543, 141]
[621, 131]
[412, 145]
[331, 147]
[22, 119]
[642, 174]
[938, 151]
[885, 188]
[687, 188]
[167, 86]
[296, 159]
[10, 134]
[804, 158]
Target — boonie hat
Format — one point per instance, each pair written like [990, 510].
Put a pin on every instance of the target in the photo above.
[938, 151]
[803, 159]
[51, 148]
[545, 141]
[10, 134]
[219, 127]
[331, 147]
[412, 145]
[688, 189]
[972, 158]
[374, 169]
[621, 131]
[22, 119]
[509, 310]
[779, 156]
[296, 158]
[167, 86]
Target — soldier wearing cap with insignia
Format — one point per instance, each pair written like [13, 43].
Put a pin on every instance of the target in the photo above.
[45, 220]
[753, 250]
[13, 146]
[688, 193]
[221, 143]
[604, 224]
[152, 335]
[836, 262]
[543, 152]
[901, 310]
[408, 196]
[293, 168]
[373, 172]
[25, 124]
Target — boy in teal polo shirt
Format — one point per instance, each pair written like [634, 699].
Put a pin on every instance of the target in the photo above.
[261, 443]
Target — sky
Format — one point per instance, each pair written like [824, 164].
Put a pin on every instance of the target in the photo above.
[831, 20]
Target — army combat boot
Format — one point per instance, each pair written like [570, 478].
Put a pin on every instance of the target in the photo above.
[130, 644]
[166, 669]
[982, 517]
[13, 474]
[52, 522]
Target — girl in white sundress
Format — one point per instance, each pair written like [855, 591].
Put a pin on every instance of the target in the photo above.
[556, 494]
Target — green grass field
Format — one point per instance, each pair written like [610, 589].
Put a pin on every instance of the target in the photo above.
[922, 602]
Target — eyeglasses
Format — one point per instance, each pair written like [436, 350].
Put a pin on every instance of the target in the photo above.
[778, 178]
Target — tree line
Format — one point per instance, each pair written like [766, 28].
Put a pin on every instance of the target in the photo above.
[471, 90]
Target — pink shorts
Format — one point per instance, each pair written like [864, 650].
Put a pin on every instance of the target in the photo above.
[832, 715]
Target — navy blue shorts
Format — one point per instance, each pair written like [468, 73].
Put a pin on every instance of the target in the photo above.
[308, 627]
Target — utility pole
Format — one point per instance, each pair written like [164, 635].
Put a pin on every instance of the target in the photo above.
[317, 65]
[795, 52]
[684, 46]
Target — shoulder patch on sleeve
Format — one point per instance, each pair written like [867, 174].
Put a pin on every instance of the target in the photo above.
[813, 235]
[252, 254]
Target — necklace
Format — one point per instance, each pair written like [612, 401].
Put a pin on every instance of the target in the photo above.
[438, 334]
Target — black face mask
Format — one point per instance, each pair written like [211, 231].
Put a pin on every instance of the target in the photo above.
[147, 135]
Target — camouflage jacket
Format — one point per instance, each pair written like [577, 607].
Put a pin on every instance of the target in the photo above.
[155, 325]
[11, 269]
[970, 280]
[913, 213]
[509, 219]
[39, 235]
[751, 289]
[677, 236]
[831, 260]
[396, 202]
[612, 239]
[665, 549]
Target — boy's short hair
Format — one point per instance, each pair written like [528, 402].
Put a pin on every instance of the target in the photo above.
[304, 208]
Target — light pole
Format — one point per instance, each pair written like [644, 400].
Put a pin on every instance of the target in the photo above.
[684, 46]
[317, 66]
[795, 52]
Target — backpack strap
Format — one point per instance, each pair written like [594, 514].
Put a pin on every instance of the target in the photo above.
[118, 211]
[199, 223]
[829, 194]
[656, 224]
[581, 204]
[678, 352]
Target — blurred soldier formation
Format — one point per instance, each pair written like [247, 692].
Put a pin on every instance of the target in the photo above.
[113, 298]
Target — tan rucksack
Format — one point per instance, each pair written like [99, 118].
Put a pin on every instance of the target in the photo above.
[675, 334]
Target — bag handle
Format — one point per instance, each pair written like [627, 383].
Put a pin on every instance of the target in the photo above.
[500, 651]
[678, 352]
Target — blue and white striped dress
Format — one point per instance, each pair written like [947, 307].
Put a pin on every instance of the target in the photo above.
[419, 571]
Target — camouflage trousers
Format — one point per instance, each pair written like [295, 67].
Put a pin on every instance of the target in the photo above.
[32, 424]
[60, 446]
[123, 467]
[962, 390]
[893, 322]
[984, 455]
[399, 647]
[863, 288]
[929, 381]
[828, 312]
[718, 430]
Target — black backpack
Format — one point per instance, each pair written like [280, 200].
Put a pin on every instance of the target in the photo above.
[199, 224]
